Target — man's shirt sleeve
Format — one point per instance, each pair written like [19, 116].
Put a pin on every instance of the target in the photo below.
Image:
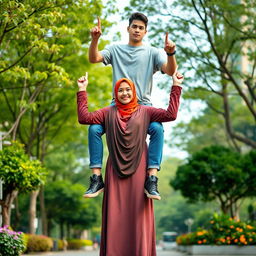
[106, 53]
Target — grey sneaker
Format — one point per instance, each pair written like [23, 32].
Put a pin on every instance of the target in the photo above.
[96, 186]
[150, 188]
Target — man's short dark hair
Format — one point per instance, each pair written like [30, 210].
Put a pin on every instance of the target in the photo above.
[138, 16]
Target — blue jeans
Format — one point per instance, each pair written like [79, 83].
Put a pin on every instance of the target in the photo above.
[155, 149]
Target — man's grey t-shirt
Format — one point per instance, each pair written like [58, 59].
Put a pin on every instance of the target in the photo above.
[138, 63]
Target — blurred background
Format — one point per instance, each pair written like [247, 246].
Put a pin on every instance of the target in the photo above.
[209, 163]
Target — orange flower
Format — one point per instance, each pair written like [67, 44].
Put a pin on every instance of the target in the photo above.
[231, 226]
[199, 242]
[242, 239]
[236, 240]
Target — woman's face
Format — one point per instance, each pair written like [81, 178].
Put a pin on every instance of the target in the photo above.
[124, 93]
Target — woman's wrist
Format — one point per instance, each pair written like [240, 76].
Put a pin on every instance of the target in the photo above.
[82, 89]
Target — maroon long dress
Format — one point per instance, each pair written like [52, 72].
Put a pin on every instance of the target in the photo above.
[128, 227]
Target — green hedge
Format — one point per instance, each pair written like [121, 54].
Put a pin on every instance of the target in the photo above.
[77, 244]
[38, 243]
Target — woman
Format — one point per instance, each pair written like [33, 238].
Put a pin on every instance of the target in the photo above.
[128, 216]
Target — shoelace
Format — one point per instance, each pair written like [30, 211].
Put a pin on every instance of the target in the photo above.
[153, 185]
[93, 182]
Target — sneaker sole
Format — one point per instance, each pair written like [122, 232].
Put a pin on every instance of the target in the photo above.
[94, 194]
[152, 196]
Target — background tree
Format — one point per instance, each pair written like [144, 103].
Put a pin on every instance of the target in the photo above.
[19, 174]
[66, 206]
[216, 47]
[217, 173]
[172, 211]
[43, 51]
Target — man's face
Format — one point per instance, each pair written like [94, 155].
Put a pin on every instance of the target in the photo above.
[137, 31]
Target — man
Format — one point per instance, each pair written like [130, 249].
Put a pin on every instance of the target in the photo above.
[138, 63]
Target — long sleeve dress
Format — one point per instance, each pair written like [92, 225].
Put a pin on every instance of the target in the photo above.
[128, 227]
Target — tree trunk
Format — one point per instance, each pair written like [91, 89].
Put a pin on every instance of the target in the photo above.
[32, 211]
[17, 215]
[61, 230]
[5, 215]
[43, 212]
[68, 230]
[6, 204]
[225, 208]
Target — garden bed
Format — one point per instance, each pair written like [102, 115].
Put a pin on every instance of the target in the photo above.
[218, 249]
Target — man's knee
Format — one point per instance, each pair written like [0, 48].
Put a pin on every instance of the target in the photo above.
[96, 129]
[155, 128]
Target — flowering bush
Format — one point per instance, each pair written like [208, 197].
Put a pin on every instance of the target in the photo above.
[11, 242]
[223, 231]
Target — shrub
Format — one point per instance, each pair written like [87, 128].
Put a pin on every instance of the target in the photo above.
[223, 231]
[11, 242]
[39, 243]
[77, 244]
[25, 241]
[60, 245]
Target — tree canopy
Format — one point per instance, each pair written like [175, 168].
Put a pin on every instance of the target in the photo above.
[216, 49]
[217, 173]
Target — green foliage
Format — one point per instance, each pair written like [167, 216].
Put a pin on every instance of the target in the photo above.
[53, 37]
[77, 244]
[223, 231]
[172, 211]
[215, 40]
[65, 204]
[217, 173]
[39, 243]
[11, 242]
[19, 172]
[60, 244]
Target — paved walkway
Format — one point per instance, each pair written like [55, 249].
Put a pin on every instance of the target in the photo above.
[96, 253]
[160, 252]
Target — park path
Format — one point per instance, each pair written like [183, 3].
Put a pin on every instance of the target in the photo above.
[96, 253]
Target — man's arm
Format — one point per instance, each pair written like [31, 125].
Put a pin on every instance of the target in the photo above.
[170, 66]
[94, 54]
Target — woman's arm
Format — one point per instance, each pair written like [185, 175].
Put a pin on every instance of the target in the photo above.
[85, 117]
[162, 115]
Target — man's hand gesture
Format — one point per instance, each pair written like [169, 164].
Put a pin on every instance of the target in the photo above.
[96, 31]
[169, 45]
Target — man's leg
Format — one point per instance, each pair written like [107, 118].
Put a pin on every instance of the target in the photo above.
[96, 155]
[155, 152]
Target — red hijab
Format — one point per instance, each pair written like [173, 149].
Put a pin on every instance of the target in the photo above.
[126, 109]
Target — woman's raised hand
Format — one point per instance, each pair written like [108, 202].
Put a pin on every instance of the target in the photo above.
[82, 82]
[177, 77]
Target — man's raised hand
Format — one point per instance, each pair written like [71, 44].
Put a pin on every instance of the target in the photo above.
[96, 31]
[169, 45]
